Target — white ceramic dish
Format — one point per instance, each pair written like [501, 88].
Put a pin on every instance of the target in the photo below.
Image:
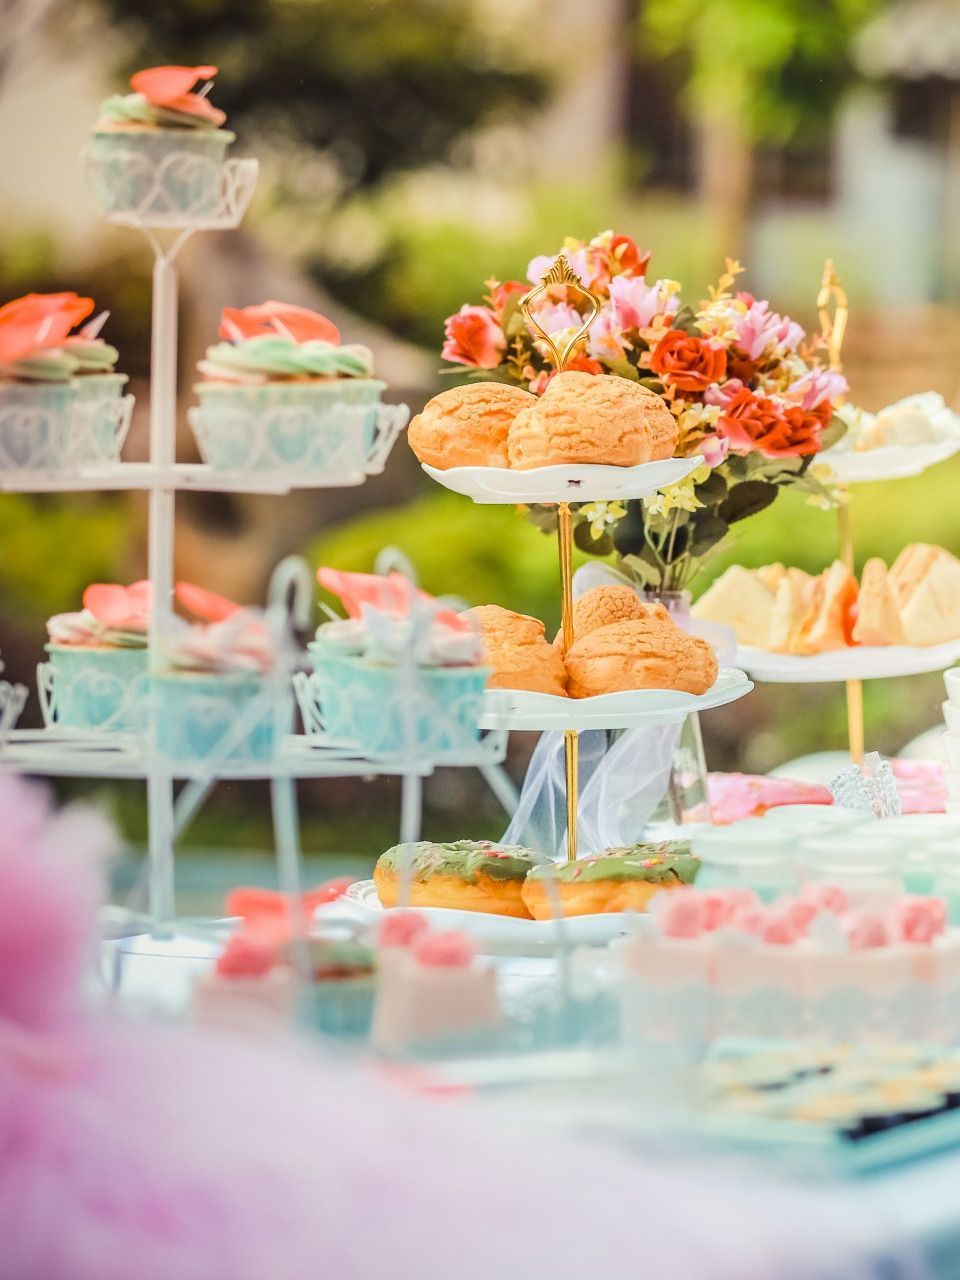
[573, 482]
[864, 662]
[951, 716]
[521, 709]
[951, 743]
[891, 462]
[501, 933]
[951, 680]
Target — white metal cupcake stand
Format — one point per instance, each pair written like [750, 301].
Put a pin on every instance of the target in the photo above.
[59, 751]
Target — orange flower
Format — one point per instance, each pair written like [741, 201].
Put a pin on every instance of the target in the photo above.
[688, 363]
[627, 257]
[473, 337]
[39, 320]
[500, 294]
[756, 423]
[169, 87]
[277, 317]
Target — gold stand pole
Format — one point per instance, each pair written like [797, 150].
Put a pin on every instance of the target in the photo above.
[571, 739]
[560, 274]
[833, 328]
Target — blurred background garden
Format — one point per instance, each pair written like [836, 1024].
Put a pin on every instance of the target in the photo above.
[409, 150]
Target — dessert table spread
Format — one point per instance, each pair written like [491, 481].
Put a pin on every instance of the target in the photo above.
[896, 1224]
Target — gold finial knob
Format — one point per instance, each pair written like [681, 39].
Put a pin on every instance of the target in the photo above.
[560, 273]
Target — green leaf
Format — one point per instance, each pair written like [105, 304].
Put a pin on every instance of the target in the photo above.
[628, 536]
[644, 571]
[584, 539]
[834, 431]
[746, 499]
[711, 490]
[623, 369]
[707, 532]
[652, 384]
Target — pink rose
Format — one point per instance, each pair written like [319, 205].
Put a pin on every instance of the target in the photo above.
[473, 337]
[635, 303]
[757, 329]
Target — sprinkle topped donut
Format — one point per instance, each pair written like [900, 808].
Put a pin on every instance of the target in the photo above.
[465, 875]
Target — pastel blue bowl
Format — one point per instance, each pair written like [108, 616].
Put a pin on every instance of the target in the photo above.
[34, 424]
[94, 433]
[341, 1007]
[312, 426]
[158, 173]
[99, 688]
[194, 711]
[361, 706]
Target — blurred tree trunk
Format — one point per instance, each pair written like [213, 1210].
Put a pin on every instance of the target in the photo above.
[725, 177]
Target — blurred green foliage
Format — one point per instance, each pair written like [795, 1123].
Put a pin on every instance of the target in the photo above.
[778, 67]
[376, 85]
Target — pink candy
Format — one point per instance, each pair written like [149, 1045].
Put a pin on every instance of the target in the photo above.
[920, 920]
[867, 930]
[401, 929]
[450, 950]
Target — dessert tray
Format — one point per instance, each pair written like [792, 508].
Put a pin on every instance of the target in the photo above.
[572, 482]
[889, 462]
[523, 709]
[495, 933]
[866, 662]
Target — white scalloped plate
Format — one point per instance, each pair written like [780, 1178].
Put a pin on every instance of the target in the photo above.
[574, 482]
[890, 462]
[522, 709]
[867, 662]
[501, 933]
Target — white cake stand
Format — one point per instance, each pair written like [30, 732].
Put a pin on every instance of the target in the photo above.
[572, 482]
[867, 662]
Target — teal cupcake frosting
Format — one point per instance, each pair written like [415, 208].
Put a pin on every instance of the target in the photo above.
[60, 364]
[133, 108]
[272, 356]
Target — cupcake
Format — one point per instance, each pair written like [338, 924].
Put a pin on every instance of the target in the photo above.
[464, 875]
[398, 676]
[61, 400]
[158, 153]
[96, 674]
[217, 695]
[616, 880]
[12, 699]
[281, 393]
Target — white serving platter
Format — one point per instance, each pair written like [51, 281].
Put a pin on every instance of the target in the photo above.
[500, 934]
[864, 662]
[889, 462]
[522, 709]
[573, 482]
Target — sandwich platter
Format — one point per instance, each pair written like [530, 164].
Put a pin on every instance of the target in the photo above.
[570, 482]
[861, 662]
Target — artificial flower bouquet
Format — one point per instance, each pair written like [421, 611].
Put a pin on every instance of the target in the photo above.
[744, 383]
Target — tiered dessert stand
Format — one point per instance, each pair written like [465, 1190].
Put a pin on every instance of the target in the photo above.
[55, 750]
[507, 709]
[854, 665]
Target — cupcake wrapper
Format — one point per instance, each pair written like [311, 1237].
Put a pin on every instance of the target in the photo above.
[306, 426]
[358, 705]
[94, 688]
[342, 1008]
[53, 426]
[156, 173]
[195, 714]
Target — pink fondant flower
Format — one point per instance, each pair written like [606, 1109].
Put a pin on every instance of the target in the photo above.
[635, 303]
[120, 608]
[826, 897]
[170, 87]
[867, 930]
[449, 950]
[401, 929]
[473, 337]
[780, 929]
[38, 321]
[681, 913]
[298, 323]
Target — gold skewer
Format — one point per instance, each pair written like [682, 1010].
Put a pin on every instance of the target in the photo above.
[833, 327]
[560, 273]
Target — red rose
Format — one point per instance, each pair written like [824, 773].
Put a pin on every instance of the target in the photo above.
[756, 423]
[473, 337]
[628, 258]
[500, 294]
[687, 363]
